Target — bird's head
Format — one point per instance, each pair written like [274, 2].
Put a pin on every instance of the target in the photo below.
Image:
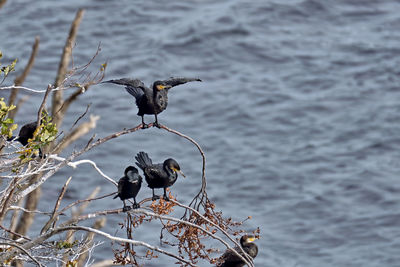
[129, 171]
[160, 85]
[172, 165]
[246, 239]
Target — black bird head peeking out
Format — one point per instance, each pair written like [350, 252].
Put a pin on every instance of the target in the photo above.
[246, 239]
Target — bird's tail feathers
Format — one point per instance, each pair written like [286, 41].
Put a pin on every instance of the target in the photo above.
[143, 160]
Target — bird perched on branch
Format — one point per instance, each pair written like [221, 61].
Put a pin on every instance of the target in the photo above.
[129, 186]
[230, 259]
[162, 175]
[151, 101]
[25, 133]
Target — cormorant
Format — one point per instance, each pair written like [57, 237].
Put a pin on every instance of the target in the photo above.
[150, 101]
[160, 175]
[25, 134]
[129, 186]
[230, 259]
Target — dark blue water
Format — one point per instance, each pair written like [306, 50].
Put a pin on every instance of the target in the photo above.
[298, 113]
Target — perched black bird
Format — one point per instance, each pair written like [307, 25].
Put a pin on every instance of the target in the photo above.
[158, 175]
[150, 101]
[25, 134]
[129, 186]
[230, 259]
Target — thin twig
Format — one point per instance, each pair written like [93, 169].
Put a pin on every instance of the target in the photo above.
[39, 115]
[23, 250]
[202, 191]
[125, 240]
[21, 78]
[248, 260]
[28, 211]
[76, 133]
[53, 217]
[14, 233]
[29, 89]
[81, 116]
[74, 164]
[62, 69]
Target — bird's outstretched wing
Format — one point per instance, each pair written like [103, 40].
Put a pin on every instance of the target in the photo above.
[134, 87]
[178, 81]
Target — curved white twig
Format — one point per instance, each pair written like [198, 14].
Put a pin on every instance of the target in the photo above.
[74, 164]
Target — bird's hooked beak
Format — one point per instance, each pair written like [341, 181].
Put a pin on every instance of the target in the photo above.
[162, 87]
[251, 238]
[176, 170]
[184, 176]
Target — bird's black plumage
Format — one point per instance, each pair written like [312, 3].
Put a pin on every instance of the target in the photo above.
[129, 186]
[26, 133]
[162, 175]
[230, 259]
[151, 101]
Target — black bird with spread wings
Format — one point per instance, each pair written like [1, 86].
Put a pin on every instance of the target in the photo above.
[230, 259]
[162, 175]
[129, 186]
[151, 101]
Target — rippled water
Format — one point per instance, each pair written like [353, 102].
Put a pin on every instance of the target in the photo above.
[298, 112]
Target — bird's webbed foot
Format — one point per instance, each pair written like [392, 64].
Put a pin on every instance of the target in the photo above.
[135, 206]
[126, 208]
[165, 197]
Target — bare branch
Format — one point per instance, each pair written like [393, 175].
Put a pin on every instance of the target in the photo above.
[89, 239]
[39, 115]
[53, 217]
[21, 78]
[248, 260]
[62, 69]
[29, 89]
[81, 116]
[74, 164]
[125, 240]
[78, 132]
[14, 233]
[30, 211]
[202, 192]
[23, 250]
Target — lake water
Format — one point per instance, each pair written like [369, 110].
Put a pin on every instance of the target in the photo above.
[298, 113]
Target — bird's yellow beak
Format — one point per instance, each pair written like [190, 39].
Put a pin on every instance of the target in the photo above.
[162, 87]
[251, 239]
[180, 172]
